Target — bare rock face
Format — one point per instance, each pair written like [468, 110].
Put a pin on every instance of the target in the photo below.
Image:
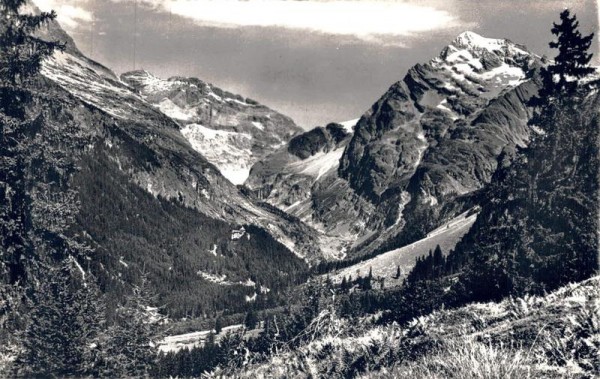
[419, 155]
[318, 139]
[230, 131]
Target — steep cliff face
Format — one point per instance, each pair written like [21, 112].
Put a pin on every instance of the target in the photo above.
[454, 168]
[457, 114]
[423, 150]
[286, 176]
[230, 131]
[434, 103]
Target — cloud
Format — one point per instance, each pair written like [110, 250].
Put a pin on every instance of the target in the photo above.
[69, 16]
[367, 20]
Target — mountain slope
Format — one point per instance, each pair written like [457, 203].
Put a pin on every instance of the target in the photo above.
[420, 155]
[436, 135]
[230, 131]
[384, 266]
[461, 81]
[301, 179]
[173, 169]
[148, 201]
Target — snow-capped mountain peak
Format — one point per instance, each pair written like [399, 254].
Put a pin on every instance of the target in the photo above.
[480, 67]
[146, 80]
[481, 47]
[470, 40]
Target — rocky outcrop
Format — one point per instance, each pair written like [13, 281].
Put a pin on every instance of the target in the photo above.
[301, 179]
[316, 140]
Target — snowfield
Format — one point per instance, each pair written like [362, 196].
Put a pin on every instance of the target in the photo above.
[319, 164]
[229, 151]
[195, 339]
[168, 107]
[230, 131]
[349, 125]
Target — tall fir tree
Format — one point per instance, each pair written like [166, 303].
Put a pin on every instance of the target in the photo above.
[20, 60]
[218, 325]
[22, 52]
[251, 319]
[572, 61]
[438, 262]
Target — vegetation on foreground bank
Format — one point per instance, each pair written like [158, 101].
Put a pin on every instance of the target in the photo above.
[557, 335]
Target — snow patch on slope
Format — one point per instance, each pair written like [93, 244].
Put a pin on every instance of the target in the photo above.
[226, 150]
[258, 125]
[349, 125]
[222, 280]
[151, 83]
[190, 340]
[168, 107]
[91, 84]
[319, 164]
[479, 67]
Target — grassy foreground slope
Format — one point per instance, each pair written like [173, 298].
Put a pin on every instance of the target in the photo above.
[557, 335]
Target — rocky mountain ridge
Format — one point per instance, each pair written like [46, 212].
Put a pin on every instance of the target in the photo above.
[432, 138]
[301, 178]
[186, 175]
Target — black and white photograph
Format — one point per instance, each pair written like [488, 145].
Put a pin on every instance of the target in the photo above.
[300, 189]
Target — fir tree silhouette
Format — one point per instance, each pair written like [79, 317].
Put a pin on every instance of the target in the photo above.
[572, 61]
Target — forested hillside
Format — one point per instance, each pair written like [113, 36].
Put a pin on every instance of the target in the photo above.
[195, 263]
[542, 209]
[539, 228]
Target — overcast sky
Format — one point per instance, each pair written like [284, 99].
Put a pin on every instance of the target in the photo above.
[316, 61]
